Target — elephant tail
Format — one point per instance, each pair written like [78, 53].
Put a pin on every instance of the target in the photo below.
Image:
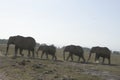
[36, 50]
[7, 50]
[89, 57]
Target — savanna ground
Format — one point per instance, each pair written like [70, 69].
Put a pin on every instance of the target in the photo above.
[24, 68]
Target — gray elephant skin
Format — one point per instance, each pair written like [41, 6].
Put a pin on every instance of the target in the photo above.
[74, 50]
[103, 52]
[48, 50]
[22, 43]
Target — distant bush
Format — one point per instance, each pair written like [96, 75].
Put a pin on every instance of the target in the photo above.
[86, 50]
[3, 41]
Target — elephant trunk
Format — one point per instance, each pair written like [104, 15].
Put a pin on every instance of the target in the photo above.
[7, 49]
[37, 53]
[64, 55]
[89, 56]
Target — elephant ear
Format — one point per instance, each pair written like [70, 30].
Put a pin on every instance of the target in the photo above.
[94, 49]
[11, 40]
[14, 39]
[18, 39]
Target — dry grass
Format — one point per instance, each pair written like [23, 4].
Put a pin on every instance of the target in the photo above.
[23, 68]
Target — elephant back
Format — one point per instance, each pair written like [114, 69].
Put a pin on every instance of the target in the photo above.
[25, 42]
[78, 50]
[52, 48]
[100, 50]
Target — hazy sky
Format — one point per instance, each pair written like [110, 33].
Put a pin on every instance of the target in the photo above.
[61, 22]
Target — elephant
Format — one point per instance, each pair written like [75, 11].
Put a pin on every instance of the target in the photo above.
[76, 50]
[48, 50]
[103, 52]
[21, 43]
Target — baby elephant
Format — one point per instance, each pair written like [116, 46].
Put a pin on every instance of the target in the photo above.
[51, 50]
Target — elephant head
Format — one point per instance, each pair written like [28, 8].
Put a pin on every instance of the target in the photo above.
[11, 40]
[42, 47]
[93, 50]
[48, 50]
[67, 49]
[20, 42]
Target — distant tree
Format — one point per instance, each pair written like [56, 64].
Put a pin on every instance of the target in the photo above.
[116, 52]
[37, 44]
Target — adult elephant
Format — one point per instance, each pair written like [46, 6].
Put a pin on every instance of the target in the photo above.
[21, 43]
[74, 50]
[103, 52]
[48, 50]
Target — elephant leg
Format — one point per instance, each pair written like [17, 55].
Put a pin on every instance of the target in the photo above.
[64, 55]
[42, 54]
[78, 58]
[21, 52]
[68, 57]
[55, 57]
[37, 53]
[97, 59]
[109, 62]
[16, 50]
[33, 54]
[103, 60]
[29, 53]
[83, 59]
[46, 55]
[72, 57]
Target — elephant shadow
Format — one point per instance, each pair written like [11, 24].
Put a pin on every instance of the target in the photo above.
[112, 64]
[82, 62]
[103, 64]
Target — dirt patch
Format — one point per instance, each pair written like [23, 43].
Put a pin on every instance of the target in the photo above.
[3, 76]
[92, 70]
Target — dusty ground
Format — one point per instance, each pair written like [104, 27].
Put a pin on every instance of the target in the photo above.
[37, 69]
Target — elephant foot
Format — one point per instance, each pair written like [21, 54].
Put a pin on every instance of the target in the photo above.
[78, 61]
[55, 59]
[47, 58]
[28, 55]
[33, 56]
[97, 62]
[84, 61]
[71, 60]
[66, 59]
[5, 54]
[22, 55]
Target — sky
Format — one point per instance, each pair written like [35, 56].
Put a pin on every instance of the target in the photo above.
[86, 23]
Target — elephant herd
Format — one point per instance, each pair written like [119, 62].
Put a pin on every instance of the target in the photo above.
[29, 43]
